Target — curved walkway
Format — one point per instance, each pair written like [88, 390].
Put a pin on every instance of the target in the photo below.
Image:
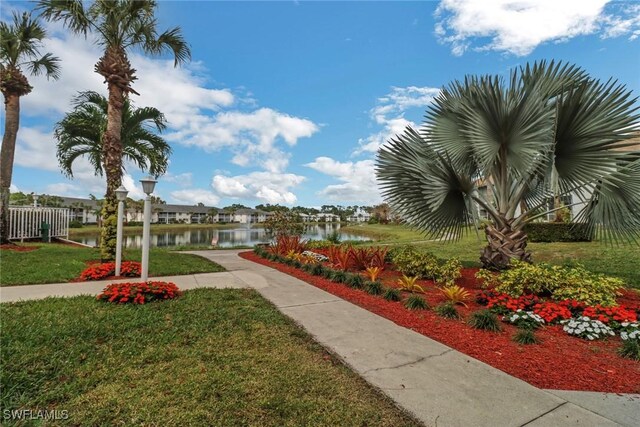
[439, 385]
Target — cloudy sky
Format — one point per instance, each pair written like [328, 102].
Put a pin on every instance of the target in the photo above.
[287, 102]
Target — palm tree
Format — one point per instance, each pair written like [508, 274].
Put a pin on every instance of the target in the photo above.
[549, 130]
[80, 133]
[119, 26]
[20, 43]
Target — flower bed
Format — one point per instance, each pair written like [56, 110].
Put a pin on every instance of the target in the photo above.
[559, 361]
[139, 293]
[108, 269]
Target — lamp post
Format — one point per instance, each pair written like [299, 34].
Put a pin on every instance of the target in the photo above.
[35, 200]
[148, 184]
[121, 195]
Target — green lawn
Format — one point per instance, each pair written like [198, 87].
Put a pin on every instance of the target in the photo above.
[621, 261]
[53, 263]
[212, 357]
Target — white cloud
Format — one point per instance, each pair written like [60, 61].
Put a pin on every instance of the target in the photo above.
[252, 136]
[13, 189]
[182, 179]
[358, 181]
[389, 112]
[518, 27]
[268, 187]
[194, 196]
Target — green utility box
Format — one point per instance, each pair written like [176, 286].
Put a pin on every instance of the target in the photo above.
[44, 232]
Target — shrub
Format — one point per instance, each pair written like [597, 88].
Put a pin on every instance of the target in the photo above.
[139, 293]
[448, 272]
[355, 281]
[75, 224]
[412, 262]
[317, 269]
[574, 283]
[455, 294]
[339, 276]
[525, 337]
[414, 302]
[328, 273]
[558, 232]
[485, 320]
[108, 269]
[334, 237]
[586, 328]
[391, 294]
[409, 284]
[373, 287]
[630, 349]
[448, 311]
[339, 258]
[524, 319]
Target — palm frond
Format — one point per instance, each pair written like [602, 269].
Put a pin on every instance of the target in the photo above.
[71, 12]
[421, 185]
[47, 64]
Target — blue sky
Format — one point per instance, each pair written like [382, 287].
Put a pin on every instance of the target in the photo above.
[286, 102]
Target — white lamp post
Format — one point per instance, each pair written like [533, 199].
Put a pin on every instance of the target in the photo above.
[121, 195]
[35, 200]
[148, 184]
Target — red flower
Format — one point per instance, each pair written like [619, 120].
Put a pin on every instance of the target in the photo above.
[139, 293]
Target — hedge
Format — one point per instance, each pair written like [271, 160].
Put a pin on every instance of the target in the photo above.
[558, 232]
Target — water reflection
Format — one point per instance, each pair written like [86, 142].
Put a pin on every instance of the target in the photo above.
[225, 238]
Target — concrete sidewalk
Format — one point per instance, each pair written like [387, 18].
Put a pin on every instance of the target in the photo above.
[439, 385]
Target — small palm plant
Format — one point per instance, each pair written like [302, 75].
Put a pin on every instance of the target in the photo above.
[409, 284]
[509, 146]
[373, 273]
[455, 294]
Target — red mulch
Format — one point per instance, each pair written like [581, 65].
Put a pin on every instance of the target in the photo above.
[558, 362]
[18, 248]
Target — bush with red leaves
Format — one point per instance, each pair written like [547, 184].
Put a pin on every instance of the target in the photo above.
[139, 293]
[108, 269]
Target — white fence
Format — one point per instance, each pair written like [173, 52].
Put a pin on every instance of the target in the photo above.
[25, 222]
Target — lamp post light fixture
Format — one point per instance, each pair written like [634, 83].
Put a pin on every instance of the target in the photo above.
[121, 195]
[148, 184]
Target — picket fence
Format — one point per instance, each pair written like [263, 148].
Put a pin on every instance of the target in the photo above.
[25, 222]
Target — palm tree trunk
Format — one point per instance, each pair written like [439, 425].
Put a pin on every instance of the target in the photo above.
[7, 153]
[504, 244]
[112, 148]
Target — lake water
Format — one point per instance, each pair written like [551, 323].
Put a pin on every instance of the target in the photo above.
[241, 236]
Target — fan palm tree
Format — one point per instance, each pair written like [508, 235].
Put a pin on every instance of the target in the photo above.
[119, 26]
[80, 133]
[20, 43]
[549, 130]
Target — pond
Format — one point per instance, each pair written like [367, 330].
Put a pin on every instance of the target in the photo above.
[241, 236]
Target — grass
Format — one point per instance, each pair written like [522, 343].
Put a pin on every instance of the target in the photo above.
[212, 357]
[136, 229]
[620, 261]
[54, 263]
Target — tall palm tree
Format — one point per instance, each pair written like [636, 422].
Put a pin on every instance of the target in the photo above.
[549, 130]
[80, 134]
[119, 26]
[20, 43]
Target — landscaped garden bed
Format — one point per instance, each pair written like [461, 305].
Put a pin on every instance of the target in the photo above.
[558, 361]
